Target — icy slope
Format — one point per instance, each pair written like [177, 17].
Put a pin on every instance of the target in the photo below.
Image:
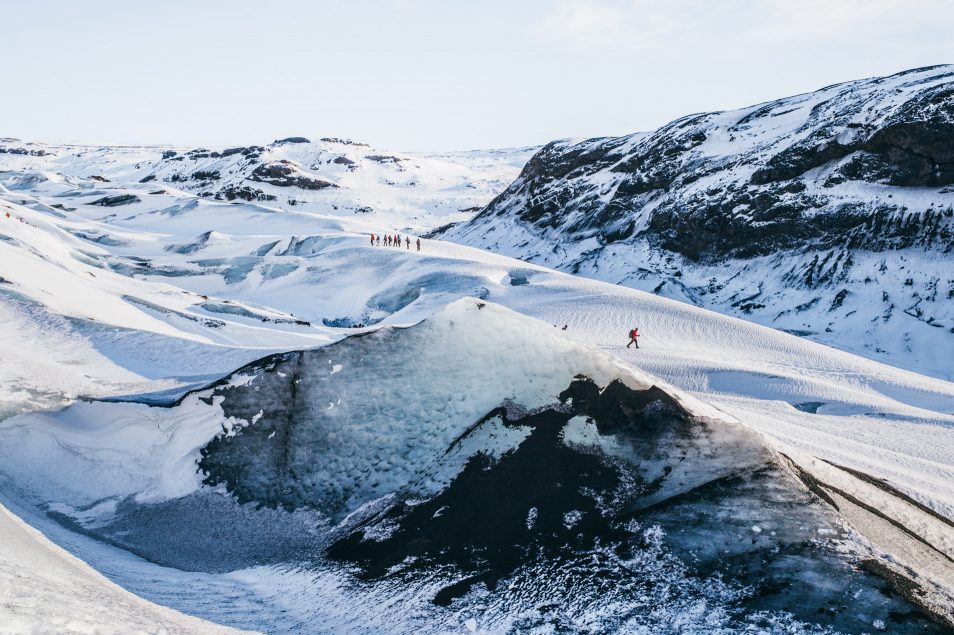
[582, 466]
[44, 589]
[827, 214]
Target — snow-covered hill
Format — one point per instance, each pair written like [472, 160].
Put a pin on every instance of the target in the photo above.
[828, 214]
[331, 176]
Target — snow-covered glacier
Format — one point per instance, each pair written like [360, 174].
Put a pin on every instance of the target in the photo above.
[479, 470]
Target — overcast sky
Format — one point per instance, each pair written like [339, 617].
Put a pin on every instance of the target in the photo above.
[431, 74]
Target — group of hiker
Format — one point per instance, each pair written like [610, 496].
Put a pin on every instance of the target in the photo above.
[393, 241]
[20, 218]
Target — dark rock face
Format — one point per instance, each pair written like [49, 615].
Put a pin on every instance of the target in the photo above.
[347, 142]
[279, 142]
[286, 174]
[24, 151]
[243, 150]
[244, 193]
[383, 158]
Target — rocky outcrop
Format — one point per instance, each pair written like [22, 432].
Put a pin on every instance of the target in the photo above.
[287, 174]
[117, 200]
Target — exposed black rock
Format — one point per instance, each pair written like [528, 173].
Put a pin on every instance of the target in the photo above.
[286, 174]
[383, 158]
[347, 142]
[246, 193]
[117, 200]
[24, 151]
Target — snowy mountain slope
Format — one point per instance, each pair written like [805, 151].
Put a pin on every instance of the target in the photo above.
[288, 431]
[828, 214]
[280, 280]
[331, 176]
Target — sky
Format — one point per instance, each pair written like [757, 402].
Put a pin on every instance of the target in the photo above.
[431, 74]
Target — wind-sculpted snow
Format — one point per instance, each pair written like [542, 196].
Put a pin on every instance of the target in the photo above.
[829, 214]
[482, 458]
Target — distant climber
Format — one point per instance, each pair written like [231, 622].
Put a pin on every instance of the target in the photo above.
[379, 240]
[407, 239]
[387, 241]
[372, 240]
[418, 244]
[564, 328]
[633, 336]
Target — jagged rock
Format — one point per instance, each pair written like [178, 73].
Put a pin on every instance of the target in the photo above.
[23, 151]
[245, 193]
[383, 158]
[287, 174]
[117, 200]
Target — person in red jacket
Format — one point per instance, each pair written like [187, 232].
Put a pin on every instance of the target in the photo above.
[633, 335]
[372, 240]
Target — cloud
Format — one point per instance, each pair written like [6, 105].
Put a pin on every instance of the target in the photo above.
[659, 24]
[607, 24]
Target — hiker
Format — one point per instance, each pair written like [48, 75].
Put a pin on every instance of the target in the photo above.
[372, 240]
[379, 240]
[407, 239]
[397, 240]
[633, 335]
[387, 240]
[418, 244]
